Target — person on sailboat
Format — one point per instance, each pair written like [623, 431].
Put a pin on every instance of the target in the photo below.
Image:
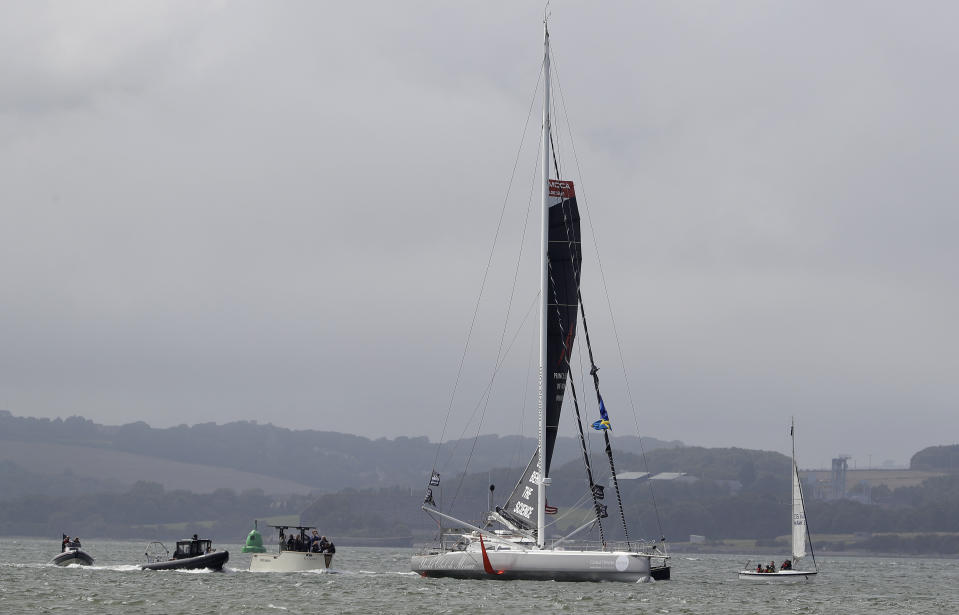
[787, 565]
[759, 568]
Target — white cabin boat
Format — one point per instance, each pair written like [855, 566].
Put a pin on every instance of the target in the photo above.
[286, 559]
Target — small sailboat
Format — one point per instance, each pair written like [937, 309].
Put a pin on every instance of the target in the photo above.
[511, 543]
[793, 569]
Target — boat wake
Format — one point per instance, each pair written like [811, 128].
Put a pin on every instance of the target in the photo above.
[37, 565]
[129, 568]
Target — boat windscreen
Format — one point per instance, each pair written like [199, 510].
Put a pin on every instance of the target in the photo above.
[192, 548]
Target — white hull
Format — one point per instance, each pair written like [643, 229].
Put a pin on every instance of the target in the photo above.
[781, 576]
[290, 561]
[535, 564]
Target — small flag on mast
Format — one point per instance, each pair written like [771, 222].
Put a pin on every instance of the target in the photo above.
[550, 510]
[603, 422]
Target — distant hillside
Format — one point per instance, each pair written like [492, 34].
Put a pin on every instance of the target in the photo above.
[269, 457]
[16, 481]
[910, 519]
[743, 465]
[729, 493]
[48, 465]
[941, 458]
[390, 515]
[146, 511]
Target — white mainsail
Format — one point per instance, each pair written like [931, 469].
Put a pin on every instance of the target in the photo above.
[799, 517]
[799, 510]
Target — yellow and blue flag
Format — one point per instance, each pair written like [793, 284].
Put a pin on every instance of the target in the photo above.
[602, 410]
[602, 423]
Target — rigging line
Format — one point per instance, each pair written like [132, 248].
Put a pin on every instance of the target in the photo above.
[498, 364]
[589, 471]
[575, 258]
[582, 379]
[499, 351]
[553, 113]
[553, 150]
[485, 395]
[489, 261]
[594, 370]
[569, 510]
[572, 384]
[602, 273]
[529, 311]
[515, 457]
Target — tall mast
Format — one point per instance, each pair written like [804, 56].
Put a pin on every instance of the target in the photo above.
[792, 436]
[543, 290]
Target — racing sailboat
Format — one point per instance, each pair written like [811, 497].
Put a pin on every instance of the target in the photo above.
[800, 536]
[512, 543]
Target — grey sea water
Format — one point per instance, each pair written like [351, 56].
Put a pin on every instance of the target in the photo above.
[378, 581]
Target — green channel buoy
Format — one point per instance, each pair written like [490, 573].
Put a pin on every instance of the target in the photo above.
[254, 542]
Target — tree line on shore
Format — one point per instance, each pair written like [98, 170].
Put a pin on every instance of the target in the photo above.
[919, 519]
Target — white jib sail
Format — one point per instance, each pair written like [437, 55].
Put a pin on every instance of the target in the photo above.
[799, 517]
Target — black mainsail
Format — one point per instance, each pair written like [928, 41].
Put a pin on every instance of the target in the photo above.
[562, 304]
[562, 309]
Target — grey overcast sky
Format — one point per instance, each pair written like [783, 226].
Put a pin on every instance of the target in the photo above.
[282, 211]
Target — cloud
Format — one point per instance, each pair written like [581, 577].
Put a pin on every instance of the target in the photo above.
[283, 211]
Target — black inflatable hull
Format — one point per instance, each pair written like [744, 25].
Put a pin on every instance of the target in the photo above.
[73, 556]
[659, 573]
[213, 561]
